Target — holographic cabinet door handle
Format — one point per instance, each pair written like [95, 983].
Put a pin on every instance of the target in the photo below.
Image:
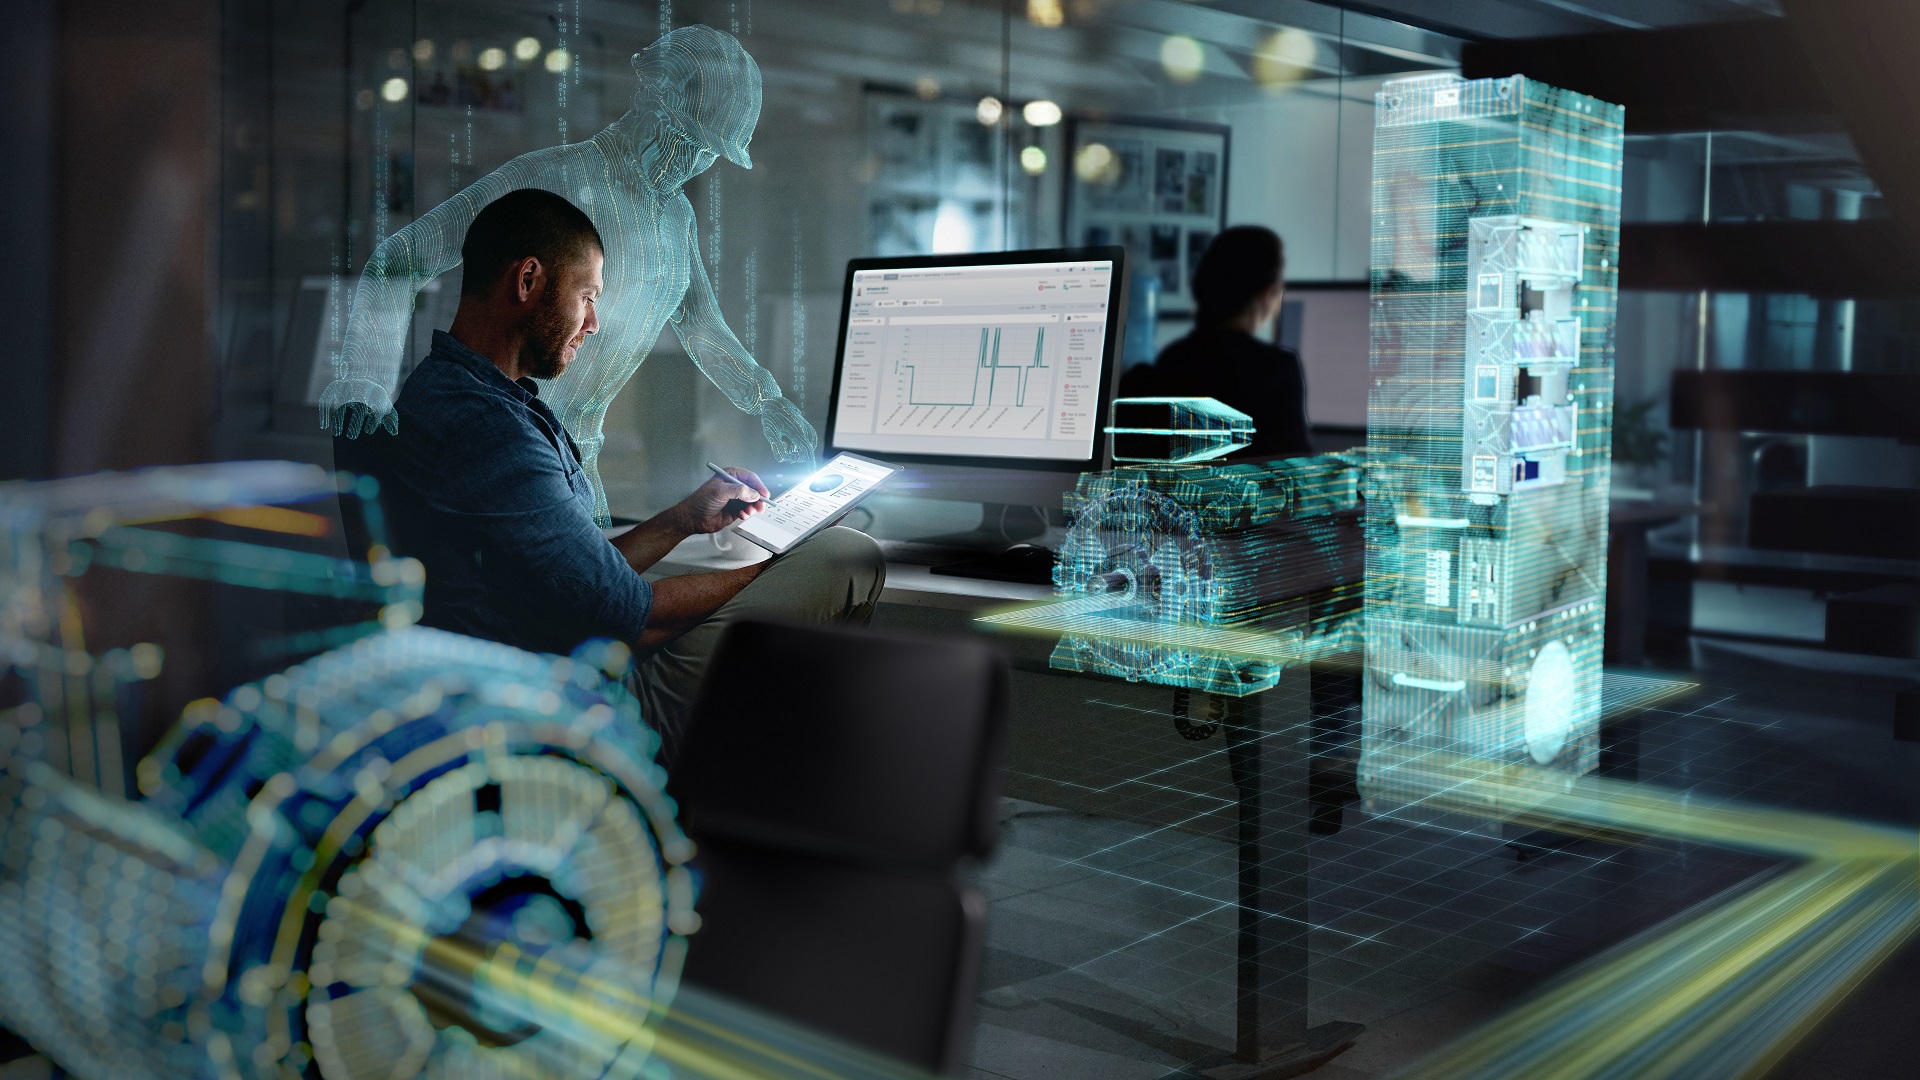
[1444, 686]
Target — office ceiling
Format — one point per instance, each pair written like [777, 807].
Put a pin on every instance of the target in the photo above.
[1552, 18]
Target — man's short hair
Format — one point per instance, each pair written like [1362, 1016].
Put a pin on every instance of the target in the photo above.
[522, 223]
[1240, 264]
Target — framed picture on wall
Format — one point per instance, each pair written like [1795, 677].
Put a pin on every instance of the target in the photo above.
[1156, 187]
[933, 175]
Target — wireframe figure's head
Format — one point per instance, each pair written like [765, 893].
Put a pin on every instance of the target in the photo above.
[703, 91]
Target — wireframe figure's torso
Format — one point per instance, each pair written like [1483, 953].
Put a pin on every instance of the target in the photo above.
[652, 274]
[649, 242]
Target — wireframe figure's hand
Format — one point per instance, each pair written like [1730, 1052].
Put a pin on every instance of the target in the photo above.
[792, 438]
[353, 407]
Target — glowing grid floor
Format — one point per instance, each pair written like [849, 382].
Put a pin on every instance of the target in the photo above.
[1112, 920]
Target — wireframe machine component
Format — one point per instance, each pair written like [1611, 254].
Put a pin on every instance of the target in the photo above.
[1201, 574]
[417, 854]
[1496, 210]
[1177, 431]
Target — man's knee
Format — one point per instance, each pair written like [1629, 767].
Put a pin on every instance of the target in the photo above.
[852, 556]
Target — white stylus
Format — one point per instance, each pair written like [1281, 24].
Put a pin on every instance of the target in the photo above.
[732, 479]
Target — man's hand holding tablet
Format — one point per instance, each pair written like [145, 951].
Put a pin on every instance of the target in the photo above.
[813, 504]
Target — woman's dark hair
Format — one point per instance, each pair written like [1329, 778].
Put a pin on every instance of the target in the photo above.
[522, 223]
[1240, 264]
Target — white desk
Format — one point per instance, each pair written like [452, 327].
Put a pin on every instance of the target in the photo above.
[907, 583]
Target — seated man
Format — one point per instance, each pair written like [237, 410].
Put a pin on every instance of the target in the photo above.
[486, 488]
[1237, 289]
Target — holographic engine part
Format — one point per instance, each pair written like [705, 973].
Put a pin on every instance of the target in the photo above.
[417, 854]
[1496, 214]
[1177, 431]
[1211, 576]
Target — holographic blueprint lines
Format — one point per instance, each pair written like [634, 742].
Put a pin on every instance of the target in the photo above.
[1496, 216]
[698, 100]
[464, 789]
[1208, 576]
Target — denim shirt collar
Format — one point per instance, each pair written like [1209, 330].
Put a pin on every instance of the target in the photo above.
[448, 347]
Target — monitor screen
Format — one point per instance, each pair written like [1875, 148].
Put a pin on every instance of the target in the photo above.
[1005, 357]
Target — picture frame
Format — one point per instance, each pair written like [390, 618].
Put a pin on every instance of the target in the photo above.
[1156, 187]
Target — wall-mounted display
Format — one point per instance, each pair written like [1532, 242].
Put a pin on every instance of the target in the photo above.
[1156, 187]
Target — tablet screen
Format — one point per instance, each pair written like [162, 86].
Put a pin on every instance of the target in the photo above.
[815, 502]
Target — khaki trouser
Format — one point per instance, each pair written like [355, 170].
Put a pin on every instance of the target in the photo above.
[834, 577]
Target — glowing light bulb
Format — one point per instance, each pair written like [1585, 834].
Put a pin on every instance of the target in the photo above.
[493, 59]
[423, 51]
[1095, 164]
[989, 110]
[1284, 56]
[1042, 113]
[1046, 13]
[558, 60]
[1182, 58]
[526, 48]
[394, 90]
[1033, 160]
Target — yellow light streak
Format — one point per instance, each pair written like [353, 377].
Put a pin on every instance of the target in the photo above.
[1733, 983]
[561, 999]
[272, 519]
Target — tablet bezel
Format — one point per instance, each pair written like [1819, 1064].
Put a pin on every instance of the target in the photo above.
[739, 528]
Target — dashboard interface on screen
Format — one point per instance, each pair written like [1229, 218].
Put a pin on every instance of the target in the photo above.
[975, 361]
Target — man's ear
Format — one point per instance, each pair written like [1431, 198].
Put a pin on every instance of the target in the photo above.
[528, 275]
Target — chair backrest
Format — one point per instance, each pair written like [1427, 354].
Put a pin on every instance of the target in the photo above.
[839, 784]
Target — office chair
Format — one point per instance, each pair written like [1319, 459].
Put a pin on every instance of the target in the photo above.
[840, 785]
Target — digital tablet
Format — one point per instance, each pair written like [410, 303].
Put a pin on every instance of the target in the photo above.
[815, 503]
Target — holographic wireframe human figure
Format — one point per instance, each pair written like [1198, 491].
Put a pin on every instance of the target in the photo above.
[698, 100]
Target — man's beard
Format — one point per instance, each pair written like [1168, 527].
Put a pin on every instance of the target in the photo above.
[551, 333]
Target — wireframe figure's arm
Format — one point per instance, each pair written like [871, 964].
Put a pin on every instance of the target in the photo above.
[724, 361]
[367, 371]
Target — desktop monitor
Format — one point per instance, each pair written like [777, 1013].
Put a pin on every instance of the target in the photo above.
[988, 376]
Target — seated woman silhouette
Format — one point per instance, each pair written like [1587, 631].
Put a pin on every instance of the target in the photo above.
[1237, 288]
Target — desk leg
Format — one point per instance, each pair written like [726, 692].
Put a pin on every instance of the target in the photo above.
[1268, 739]
[1626, 633]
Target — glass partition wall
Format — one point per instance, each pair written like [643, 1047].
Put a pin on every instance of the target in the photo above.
[888, 127]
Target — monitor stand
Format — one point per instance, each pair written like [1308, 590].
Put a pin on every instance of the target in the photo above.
[1006, 547]
[1000, 524]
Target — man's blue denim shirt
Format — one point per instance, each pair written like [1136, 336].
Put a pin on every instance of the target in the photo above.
[485, 487]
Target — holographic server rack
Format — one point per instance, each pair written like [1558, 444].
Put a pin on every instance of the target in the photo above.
[1496, 224]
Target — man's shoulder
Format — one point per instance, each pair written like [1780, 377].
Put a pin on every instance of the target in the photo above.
[442, 398]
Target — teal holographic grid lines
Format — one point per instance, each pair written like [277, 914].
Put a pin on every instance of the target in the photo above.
[1209, 576]
[341, 868]
[1495, 257]
[698, 98]
[1177, 430]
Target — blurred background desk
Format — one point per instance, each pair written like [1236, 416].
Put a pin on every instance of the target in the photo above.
[1628, 522]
